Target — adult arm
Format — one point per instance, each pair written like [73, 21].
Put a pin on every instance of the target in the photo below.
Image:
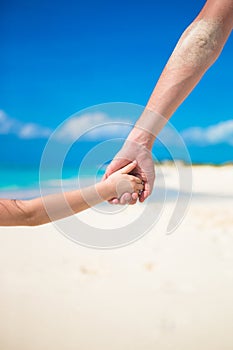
[197, 49]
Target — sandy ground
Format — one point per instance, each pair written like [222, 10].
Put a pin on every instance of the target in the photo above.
[161, 292]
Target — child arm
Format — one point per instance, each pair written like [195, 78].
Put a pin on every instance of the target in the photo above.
[34, 212]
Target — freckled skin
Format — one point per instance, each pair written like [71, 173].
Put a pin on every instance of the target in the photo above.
[198, 48]
[197, 45]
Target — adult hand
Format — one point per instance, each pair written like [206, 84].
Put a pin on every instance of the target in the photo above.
[122, 181]
[131, 151]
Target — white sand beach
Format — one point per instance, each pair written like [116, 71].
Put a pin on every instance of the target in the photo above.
[161, 292]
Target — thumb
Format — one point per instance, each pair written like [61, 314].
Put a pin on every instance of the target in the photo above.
[104, 177]
[128, 168]
[114, 166]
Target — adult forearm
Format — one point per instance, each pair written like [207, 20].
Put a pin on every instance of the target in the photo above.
[197, 49]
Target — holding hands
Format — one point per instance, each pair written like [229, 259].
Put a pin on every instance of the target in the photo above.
[143, 169]
[121, 182]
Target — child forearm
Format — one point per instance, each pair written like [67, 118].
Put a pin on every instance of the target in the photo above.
[49, 208]
[43, 210]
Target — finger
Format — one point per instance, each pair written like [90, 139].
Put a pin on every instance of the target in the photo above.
[138, 180]
[132, 202]
[113, 201]
[104, 177]
[145, 194]
[129, 167]
[116, 164]
[134, 196]
[140, 187]
[125, 198]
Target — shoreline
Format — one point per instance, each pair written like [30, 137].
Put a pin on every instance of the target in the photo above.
[53, 185]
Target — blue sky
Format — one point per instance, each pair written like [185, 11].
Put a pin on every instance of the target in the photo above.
[58, 57]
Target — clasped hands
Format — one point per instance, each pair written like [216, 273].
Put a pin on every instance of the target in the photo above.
[144, 170]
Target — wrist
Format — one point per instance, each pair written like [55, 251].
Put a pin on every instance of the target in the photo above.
[147, 128]
[106, 190]
[141, 137]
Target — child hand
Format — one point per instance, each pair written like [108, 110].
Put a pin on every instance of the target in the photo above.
[122, 182]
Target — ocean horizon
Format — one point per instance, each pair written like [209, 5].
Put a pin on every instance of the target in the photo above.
[25, 181]
[20, 166]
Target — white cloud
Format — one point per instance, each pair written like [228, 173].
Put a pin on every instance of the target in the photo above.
[211, 135]
[7, 125]
[32, 131]
[22, 130]
[95, 126]
[100, 126]
[91, 126]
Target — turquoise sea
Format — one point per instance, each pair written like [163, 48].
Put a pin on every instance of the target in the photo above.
[20, 171]
[25, 182]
